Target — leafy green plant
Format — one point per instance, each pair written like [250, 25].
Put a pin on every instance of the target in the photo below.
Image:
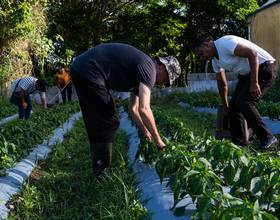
[6, 109]
[68, 190]
[201, 166]
[211, 99]
[19, 136]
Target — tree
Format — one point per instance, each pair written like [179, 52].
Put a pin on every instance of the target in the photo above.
[223, 17]
[158, 27]
[85, 23]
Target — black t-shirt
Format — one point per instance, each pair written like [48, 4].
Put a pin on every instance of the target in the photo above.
[120, 67]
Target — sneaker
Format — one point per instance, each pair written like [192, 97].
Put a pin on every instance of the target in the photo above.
[268, 144]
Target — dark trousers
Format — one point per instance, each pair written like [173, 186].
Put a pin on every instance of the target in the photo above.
[98, 109]
[243, 106]
[23, 113]
[66, 93]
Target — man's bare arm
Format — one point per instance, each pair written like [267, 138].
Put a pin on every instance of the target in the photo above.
[247, 52]
[223, 88]
[134, 111]
[22, 99]
[147, 114]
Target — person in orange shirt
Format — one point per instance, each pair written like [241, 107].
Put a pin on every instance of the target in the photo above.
[64, 84]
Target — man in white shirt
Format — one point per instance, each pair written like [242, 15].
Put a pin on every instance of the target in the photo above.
[256, 73]
[21, 90]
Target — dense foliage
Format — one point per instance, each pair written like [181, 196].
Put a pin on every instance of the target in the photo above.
[64, 188]
[17, 138]
[22, 31]
[158, 27]
[223, 180]
[29, 41]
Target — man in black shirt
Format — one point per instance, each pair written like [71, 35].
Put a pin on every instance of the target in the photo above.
[119, 67]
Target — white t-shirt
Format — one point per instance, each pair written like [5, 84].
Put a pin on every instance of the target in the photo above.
[227, 60]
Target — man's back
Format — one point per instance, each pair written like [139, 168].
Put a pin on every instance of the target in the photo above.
[28, 84]
[120, 66]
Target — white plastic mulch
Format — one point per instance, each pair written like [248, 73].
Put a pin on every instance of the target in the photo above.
[159, 197]
[16, 176]
[8, 119]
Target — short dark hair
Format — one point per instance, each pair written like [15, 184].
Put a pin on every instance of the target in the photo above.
[42, 85]
[199, 41]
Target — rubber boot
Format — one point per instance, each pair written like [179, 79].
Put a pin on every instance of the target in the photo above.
[101, 154]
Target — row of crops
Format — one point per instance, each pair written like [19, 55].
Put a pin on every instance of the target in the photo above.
[223, 180]
[266, 107]
[18, 137]
[63, 187]
[6, 109]
[269, 105]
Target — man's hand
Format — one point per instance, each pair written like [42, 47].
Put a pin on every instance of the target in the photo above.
[160, 145]
[255, 90]
[24, 105]
[252, 56]
[223, 89]
[148, 135]
[147, 116]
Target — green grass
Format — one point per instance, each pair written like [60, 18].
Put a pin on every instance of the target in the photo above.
[199, 123]
[266, 107]
[18, 137]
[7, 109]
[68, 190]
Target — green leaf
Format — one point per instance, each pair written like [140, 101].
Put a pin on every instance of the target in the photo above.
[196, 184]
[256, 207]
[191, 173]
[173, 182]
[244, 160]
[243, 178]
[257, 184]
[203, 203]
[260, 166]
[205, 162]
[268, 216]
[229, 173]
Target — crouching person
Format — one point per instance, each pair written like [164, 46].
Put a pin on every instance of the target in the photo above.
[22, 88]
[124, 68]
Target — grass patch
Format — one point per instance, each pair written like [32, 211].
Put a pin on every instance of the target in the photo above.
[7, 109]
[18, 137]
[199, 123]
[68, 190]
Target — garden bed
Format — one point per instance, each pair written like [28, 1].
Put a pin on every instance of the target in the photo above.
[218, 178]
[68, 190]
